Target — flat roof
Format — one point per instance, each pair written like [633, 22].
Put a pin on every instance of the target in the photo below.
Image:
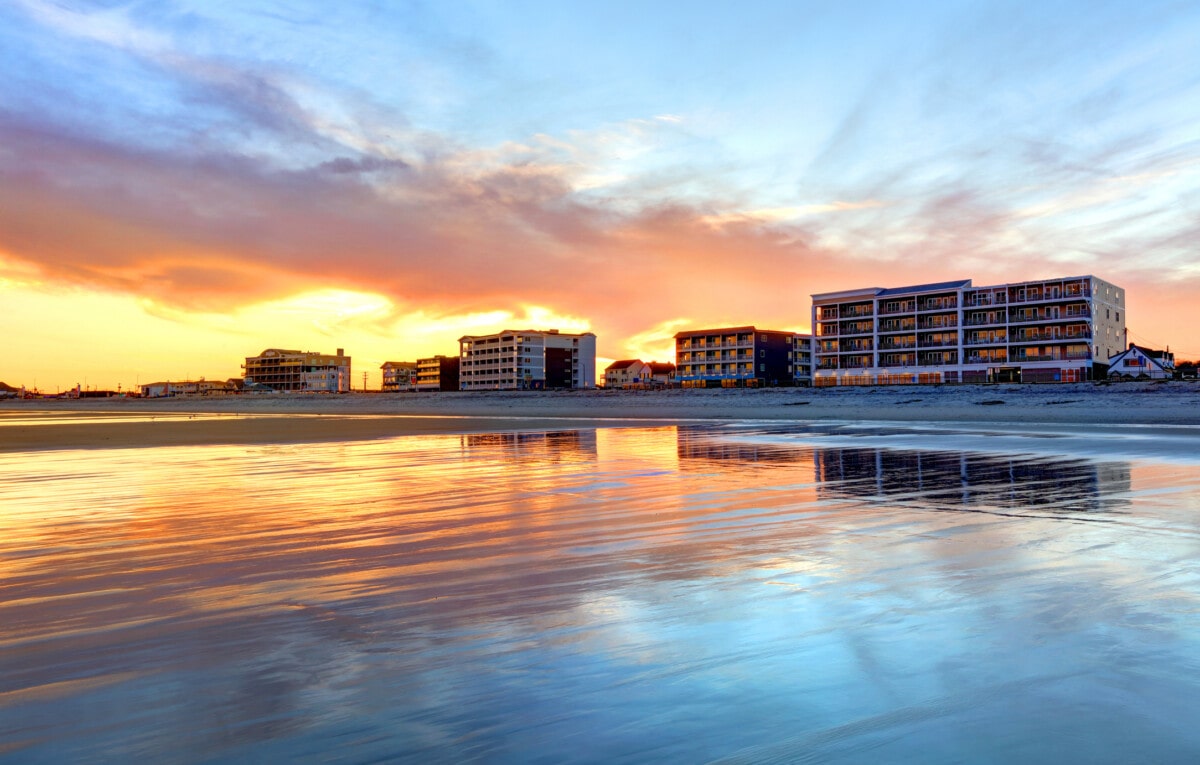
[542, 332]
[864, 292]
[726, 330]
[934, 287]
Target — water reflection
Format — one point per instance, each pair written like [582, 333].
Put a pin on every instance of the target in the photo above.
[524, 445]
[974, 481]
[578, 596]
[941, 478]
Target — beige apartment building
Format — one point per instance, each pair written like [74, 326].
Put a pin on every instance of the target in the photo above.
[397, 376]
[300, 371]
[437, 373]
[527, 360]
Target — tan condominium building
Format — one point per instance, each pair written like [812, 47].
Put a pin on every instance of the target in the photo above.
[303, 371]
[438, 373]
[735, 357]
[527, 360]
[1048, 330]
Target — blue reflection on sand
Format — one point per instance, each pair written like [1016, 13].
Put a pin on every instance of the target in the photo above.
[744, 594]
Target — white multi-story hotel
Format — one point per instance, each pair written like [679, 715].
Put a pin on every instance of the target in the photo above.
[527, 360]
[1049, 330]
[285, 370]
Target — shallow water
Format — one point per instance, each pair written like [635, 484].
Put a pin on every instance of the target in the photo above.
[739, 593]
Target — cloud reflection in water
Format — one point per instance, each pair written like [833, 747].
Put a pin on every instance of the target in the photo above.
[659, 593]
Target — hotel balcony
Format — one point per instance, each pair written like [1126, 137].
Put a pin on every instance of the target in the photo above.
[1049, 293]
[989, 340]
[984, 321]
[938, 343]
[1054, 354]
[930, 322]
[943, 304]
[984, 300]
[909, 307]
[1040, 316]
[856, 328]
[1051, 337]
[986, 359]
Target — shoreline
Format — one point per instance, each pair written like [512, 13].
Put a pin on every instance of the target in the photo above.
[52, 424]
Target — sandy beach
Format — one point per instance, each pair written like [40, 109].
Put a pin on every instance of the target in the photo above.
[281, 418]
[283, 579]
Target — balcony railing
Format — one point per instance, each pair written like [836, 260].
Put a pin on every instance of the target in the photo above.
[1042, 337]
[980, 321]
[1043, 294]
[860, 328]
[983, 301]
[937, 305]
[1072, 356]
[1037, 316]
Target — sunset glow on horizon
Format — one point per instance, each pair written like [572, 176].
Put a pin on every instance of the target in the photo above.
[183, 185]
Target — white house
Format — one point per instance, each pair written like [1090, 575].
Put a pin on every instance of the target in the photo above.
[1137, 362]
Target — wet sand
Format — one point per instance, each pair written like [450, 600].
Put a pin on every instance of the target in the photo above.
[87, 423]
[734, 592]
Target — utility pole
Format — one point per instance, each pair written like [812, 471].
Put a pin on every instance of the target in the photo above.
[364, 382]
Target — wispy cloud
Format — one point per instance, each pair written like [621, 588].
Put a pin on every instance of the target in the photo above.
[995, 158]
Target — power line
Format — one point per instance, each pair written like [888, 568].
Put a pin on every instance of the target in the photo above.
[1155, 344]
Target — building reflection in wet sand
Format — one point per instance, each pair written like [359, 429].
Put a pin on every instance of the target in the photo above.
[963, 480]
[521, 445]
[973, 481]
[635, 594]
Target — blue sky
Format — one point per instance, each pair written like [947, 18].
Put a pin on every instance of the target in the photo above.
[688, 162]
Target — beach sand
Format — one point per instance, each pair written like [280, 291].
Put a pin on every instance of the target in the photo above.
[284, 418]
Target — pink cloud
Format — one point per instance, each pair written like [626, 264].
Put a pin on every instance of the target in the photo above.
[213, 231]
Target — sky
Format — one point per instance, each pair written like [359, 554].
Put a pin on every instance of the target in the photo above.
[184, 184]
